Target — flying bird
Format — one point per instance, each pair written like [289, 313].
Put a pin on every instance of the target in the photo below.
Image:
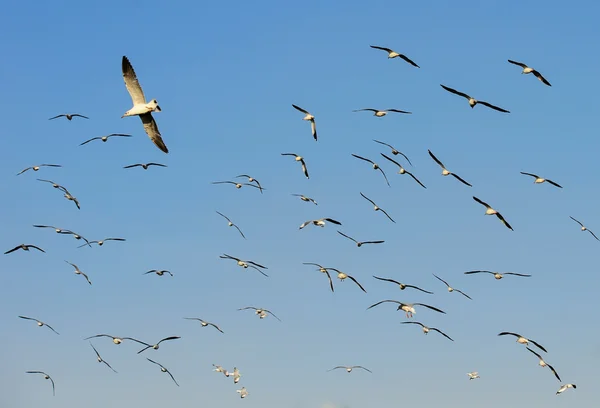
[360, 243]
[220, 369]
[24, 247]
[231, 224]
[237, 185]
[377, 208]
[245, 264]
[301, 160]
[164, 370]
[451, 289]
[394, 54]
[46, 376]
[55, 185]
[78, 272]
[542, 363]
[473, 375]
[322, 270]
[490, 211]
[498, 275]
[402, 285]
[529, 70]
[159, 272]
[428, 329]
[305, 199]
[395, 152]
[243, 392]
[320, 222]
[101, 242]
[116, 340]
[236, 375]
[350, 368]
[39, 323]
[402, 170]
[473, 101]
[157, 345]
[204, 323]
[100, 360]
[105, 138]
[56, 229]
[565, 387]
[252, 180]
[140, 107]
[310, 118]
[260, 312]
[584, 228]
[76, 236]
[445, 172]
[69, 116]
[381, 113]
[342, 276]
[539, 180]
[408, 308]
[375, 166]
[144, 166]
[70, 197]
[522, 340]
[36, 168]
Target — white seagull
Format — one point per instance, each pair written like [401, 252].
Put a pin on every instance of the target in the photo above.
[350, 368]
[402, 170]
[46, 376]
[301, 160]
[522, 340]
[105, 138]
[320, 222]
[381, 113]
[584, 228]
[36, 168]
[394, 54]
[324, 270]
[99, 358]
[260, 312]
[498, 275]
[445, 172]
[342, 276]
[402, 286]
[231, 224]
[102, 241]
[39, 323]
[24, 247]
[529, 70]
[243, 392]
[490, 211]
[539, 180]
[305, 199]
[473, 375]
[236, 375]
[473, 101]
[544, 364]
[159, 272]
[375, 166]
[69, 116]
[310, 118]
[245, 264]
[360, 243]
[116, 340]
[377, 208]
[428, 329]
[451, 289]
[78, 272]
[395, 152]
[204, 323]
[565, 387]
[164, 370]
[157, 345]
[408, 308]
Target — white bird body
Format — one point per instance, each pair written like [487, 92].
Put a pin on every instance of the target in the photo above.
[473, 375]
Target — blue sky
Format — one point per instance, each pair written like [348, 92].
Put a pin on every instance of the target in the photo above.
[225, 76]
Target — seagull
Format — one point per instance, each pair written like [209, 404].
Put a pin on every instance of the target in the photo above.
[350, 368]
[164, 370]
[529, 70]
[376, 208]
[36, 168]
[55, 185]
[76, 236]
[242, 391]
[544, 364]
[39, 323]
[310, 118]
[498, 275]
[563, 388]
[584, 228]
[245, 264]
[116, 340]
[144, 166]
[304, 198]
[402, 170]
[301, 160]
[428, 329]
[381, 113]
[539, 180]
[473, 101]
[101, 242]
[445, 172]
[157, 345]
[342, 276]
[105, 138]
[490, 211]
[78, 272]
[24, 247]
[231, 224]
[473, 375]
[251, 180]
[100, 360]
[523, 340]
[450, 288]
[261, 313]
[322, 270]
[205, 323]
[402, 285]
[360, 243]
[160, 272]
[69, 116]
[394, 151]
[220, 369]
[140, 107]
[46, 376]
[236, 375]
[237, 185]
[70, 197]
[408, 308]
[394, 54]
[320, 222]
[375, 166]
[58, 230]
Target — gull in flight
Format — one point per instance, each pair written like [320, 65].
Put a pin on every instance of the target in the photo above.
[529, 70]
[402, 285]
[36, 168]
[490, 211]
[24, 247]
[231, 224]
[261, 313]
[375, 166]
[55, 185]
[78, 272]
[76, 236]
[164, 370]
[408, 308]
[563, 388]
[242, 391]
[236, 375]
[445, 172]
[539, 180]
[160, 272]
[100, 360]
[394, 54]
[39, 323]
[301, 160]
[204, 323]
[70, 197]
[69, 116]
[498, 275]
[140, 107]
[544, 364]
[220, 369]
[377, 208]
[58, 230]
[105, 138]
[320, 222]
[157, 345]
[381, 113]
[342, 276]
[322, 270]
[144, 166]
[395, 152]
[350, 368]
[304, 198]
[451, 289]
[245, 264]
[473, 375]
[402, 170]
[428, 329]
[116, 340]
[473, 101]
[237, 185]
[251, 180]
[360, 243]
[310, 118]
[584, 228]
[101, 242]
[46, 376]
[523, 340]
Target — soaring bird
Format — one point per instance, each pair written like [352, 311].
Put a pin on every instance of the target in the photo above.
[78, 272]
[539, 180]
[69, 116]
[252, 180]
[140, 107]
[46, 376]
[377, 208]
[76, 236]
[322, 270]
[36, 168]
[39, 323]
[105, 138]
[260, 312]
[164, 370]
[360, 243]
[116, 340]
[159, 272]
[375, 166]
[342, 276]
[305, 198]
[490, 211]
[584, 228]
[70, 197]
[144, 165]
[55, 185]
[320, 222]
[445, 172]
[402, 170]
[231, 224]
[157, 345]
[522, 340]
[473, 375]
[24, 247]
[395, 152]
[99, 358]
[408, 308]
[565, 387]
[381, 113]
[428, 329]
[394, 54]
[350, 368]
[245, 264]
[301, 160]
[529, 70]
[204, 323]
[310, 118]
[243, 392]
[237, 185]
[451, 289]
[102, 241]
[544, 364]
[473, 101]
[236, 375]
[402, 286]
[498, 275]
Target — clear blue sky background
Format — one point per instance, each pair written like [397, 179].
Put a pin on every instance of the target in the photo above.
[225, 75]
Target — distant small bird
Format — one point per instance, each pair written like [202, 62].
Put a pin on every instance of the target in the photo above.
[76, 236]
[55, 185]
[236, 375]
[322, 270]
[320, 222]
[402, 285]
[116, 340]
[70, 197]
[377, 208]
[237, 185]
[260, 312]
[350, 368]
[375, 166]
[451, 289]
[529, 70]
[56, 229]
[164, 370]
[231, 224]
[428, 329]
[39, 323]
[245, 264]
[24, 247]
[101, 242]
[304, 198]
[360, 243]
[565, 387]
[105, 138]
[498, 275]
[36, 168]
[408, 308]
[381, 113]
[584, 228]
[473, 375]
[157, 345]
[539, 180]
[523, 340]
[402, 170]
[144, 166]
[46, 376]
[301, 160]
[395, 152]
[160, 272]
[473, 101]
[342, 276]
[252, 180]
[445, 172]
[490, 211]
[394, 54]
[220, 369]
[310, 118]
[204, 323]
[100, 360]
[69, 116]
[78, 272]
[544, 364]
[243, 392]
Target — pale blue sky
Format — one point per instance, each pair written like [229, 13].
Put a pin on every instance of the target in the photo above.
[225, 75]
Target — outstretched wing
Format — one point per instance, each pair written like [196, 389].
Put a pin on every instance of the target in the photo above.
[131, 82]
[151, 129]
